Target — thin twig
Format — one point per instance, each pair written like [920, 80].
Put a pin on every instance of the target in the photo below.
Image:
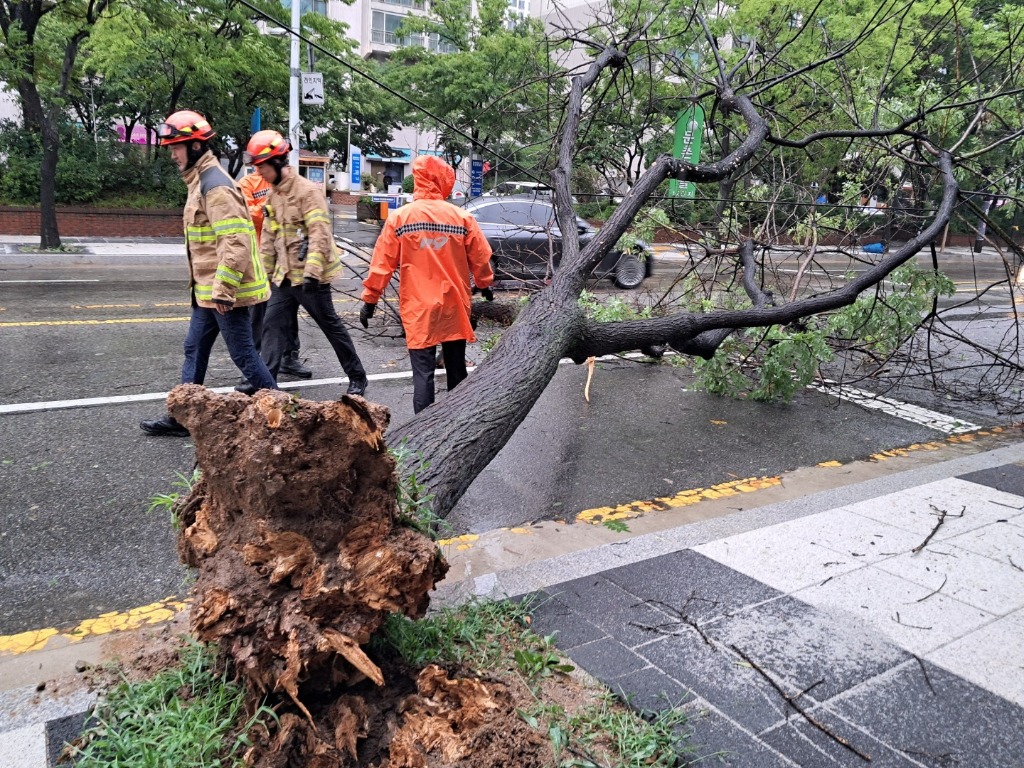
[680, 613]
[903, 624]
[791, 700]
[944, 580]
[943, 514]
[1010, 558]
[924, 671]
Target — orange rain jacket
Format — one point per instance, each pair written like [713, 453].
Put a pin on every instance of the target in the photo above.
[435, 245]
[256, 189]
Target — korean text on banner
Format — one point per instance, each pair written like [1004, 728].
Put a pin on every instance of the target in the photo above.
[689, 137]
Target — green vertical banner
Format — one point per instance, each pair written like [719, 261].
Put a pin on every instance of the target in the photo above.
[689, 137]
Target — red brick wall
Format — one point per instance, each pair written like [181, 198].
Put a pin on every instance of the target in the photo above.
[96, 222]
[344, 198]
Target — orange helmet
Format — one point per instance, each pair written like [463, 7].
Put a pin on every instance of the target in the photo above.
[184, 125]
[264, 145]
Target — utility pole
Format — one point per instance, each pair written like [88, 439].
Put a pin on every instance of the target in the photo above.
[293, 98]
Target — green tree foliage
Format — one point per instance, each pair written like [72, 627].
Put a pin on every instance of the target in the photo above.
[493, 80]
[41, 42]
[139, 62]
[92, 169]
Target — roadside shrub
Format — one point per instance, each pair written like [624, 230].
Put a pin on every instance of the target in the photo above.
[90, 170]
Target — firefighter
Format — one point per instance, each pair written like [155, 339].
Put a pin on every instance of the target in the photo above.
[256, 188]
[436, 245]
[298, 245]
[226, 274]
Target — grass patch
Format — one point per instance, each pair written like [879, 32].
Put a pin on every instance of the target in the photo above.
[187, 716]
[168, 502]
[494, 639]
[470, 634]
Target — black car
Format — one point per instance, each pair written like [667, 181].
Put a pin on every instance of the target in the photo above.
[524, 235]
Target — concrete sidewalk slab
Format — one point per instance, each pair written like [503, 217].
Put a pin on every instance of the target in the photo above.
[868, 615]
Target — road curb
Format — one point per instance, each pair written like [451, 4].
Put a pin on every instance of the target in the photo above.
[35, 722]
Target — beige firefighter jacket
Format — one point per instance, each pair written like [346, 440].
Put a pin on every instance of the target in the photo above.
[297, 213]
[223, 259]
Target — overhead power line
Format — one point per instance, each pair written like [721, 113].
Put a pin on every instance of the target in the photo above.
[473, 142]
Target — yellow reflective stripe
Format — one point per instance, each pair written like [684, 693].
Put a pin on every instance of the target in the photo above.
[234, 226]
[229, 276]
[245, 290]
[260, 290]
[200, 234]
[331, 270]
[317, 214]
[231, 221]
[315, 257]
[274, 226]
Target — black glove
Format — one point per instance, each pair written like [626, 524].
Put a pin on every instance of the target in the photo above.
[310, 285]
[366, 313]
[488, 294]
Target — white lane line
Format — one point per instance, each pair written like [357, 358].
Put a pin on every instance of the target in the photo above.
[49, 281]
[89, 402]
[926, 418]
[912, 413]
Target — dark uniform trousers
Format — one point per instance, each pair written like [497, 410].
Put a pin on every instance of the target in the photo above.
[284, 302]
[258, 313]
[424, 361]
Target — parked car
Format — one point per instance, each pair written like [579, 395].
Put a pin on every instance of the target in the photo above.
[527, 244]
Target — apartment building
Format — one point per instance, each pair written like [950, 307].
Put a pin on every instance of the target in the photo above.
[376, 25]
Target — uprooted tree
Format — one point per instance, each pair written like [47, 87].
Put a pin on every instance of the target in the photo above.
[294, 528]
[836, 91]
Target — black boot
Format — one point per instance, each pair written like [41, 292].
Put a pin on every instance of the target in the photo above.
[356, 386]
[246, 388]
[291, 365]
[165, 426]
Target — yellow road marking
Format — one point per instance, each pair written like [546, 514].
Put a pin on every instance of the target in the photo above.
[118, 321]
[600, 515]
[105, 306]
[463, 542]
[115, 621]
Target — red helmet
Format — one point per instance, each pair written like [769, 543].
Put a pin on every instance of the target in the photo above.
[184, 126]
[264, 145]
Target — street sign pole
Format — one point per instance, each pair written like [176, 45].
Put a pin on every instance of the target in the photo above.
[293, 95]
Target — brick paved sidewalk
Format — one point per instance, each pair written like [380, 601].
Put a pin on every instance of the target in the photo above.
[913, 656]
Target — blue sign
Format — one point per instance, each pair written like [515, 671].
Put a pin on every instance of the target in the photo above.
[393, 201]
[315, 174]
[355, 163]
[476, 177]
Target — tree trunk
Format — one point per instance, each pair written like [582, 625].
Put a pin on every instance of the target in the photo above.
[37, 120]
[458, 436]
[49, 236]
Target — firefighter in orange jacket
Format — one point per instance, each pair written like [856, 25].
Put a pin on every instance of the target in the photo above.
[298, 245]
[226, 274]
[256, 190]
[436, 245]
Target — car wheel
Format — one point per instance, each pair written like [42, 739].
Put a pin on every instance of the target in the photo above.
[629, 272]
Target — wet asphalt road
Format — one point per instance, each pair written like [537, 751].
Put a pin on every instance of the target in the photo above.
[76, 539]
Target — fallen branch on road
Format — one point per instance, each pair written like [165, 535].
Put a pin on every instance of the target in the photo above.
[791, 700]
